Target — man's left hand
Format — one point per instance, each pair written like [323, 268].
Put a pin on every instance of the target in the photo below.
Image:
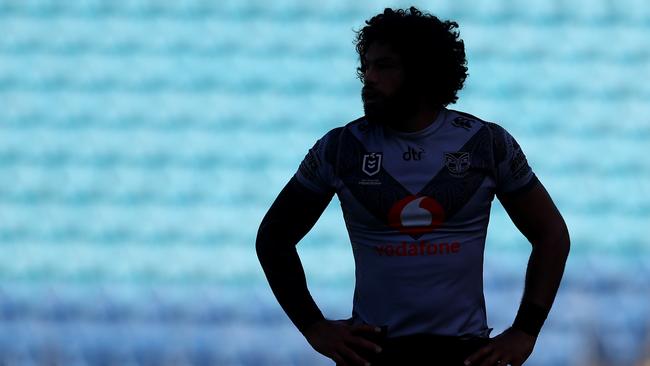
[512, 347]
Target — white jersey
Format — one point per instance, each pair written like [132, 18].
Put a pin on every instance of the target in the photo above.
[416, 206]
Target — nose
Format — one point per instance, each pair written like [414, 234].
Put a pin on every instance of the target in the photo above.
[370, 75]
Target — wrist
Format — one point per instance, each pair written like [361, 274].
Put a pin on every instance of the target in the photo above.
[530, 318]
[309, 326]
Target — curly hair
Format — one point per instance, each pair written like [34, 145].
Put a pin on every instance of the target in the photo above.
[433, 55]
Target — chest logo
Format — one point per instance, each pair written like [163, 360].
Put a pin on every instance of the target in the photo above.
[416, 215]
[371, 163]
[457, 163]
[411, 153]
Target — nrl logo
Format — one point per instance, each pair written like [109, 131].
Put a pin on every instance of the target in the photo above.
[457, 163]
[371, 163]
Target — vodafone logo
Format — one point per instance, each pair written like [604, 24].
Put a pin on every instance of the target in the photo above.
[416, 215]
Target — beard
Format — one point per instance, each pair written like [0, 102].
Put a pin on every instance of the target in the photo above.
[389, 110]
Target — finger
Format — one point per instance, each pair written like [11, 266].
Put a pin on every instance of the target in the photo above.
[365, 328]
[491, 360]
[339, 360]
[362, 342]
[505, 361]
[351, 355]
[478, 355]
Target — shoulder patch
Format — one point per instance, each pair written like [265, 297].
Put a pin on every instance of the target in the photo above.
[309, 165]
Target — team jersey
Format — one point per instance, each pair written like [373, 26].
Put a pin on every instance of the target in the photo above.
[416, 207]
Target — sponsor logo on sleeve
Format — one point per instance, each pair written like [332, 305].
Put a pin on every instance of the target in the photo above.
[309, 165]
[518, 164]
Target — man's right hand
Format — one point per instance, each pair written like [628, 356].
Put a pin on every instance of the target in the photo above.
[334, 338]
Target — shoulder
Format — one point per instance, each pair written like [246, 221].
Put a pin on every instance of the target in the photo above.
[466, 120]
[498, 134]
[359, 124]
[329, 142]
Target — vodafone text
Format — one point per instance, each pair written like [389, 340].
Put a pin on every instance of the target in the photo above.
[418, 248]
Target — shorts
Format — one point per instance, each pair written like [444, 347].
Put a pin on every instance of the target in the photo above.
[421, 350]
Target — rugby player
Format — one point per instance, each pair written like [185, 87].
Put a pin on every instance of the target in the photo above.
[415, 180]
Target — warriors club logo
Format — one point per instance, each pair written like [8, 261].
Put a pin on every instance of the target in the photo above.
[416, 215]
[457, 163]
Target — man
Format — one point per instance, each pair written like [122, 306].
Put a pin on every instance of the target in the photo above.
[415, 181]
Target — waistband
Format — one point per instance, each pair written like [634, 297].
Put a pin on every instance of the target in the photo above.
[421, 349]
[435, 339]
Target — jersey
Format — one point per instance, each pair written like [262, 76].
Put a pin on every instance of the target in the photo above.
[416, 207]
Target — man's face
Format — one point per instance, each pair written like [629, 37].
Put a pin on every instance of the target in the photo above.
[386, 98]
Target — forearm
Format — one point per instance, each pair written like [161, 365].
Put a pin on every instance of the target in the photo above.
[545, 269]
[286, 278]
[543, 276]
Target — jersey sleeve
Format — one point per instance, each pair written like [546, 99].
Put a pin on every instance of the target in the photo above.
[316, 170]
[513, 172]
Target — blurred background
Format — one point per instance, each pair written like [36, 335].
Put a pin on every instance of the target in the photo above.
[142, 142]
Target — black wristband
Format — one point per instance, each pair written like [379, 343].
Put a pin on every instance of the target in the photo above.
[306, 321]
[530, 318]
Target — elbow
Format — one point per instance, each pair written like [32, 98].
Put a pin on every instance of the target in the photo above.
[562, 246]
[567, 241]
[261, 241]
[555, 242]
[564, 241]
[272, 239]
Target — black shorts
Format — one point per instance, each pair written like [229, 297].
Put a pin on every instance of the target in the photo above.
[421, 349]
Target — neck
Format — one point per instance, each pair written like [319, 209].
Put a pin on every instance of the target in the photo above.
[419, 121]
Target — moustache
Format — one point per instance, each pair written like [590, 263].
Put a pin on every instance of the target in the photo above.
[370, 94]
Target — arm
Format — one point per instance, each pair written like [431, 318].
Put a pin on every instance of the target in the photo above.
[536, 216]
[293, 213]
[533, 212]
[291, 216]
